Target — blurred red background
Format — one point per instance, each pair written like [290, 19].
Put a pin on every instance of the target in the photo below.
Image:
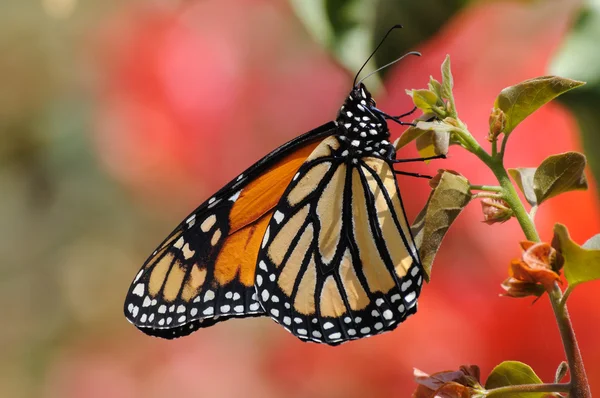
[184, 97]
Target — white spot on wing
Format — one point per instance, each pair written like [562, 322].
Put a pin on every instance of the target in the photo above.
[209, 295]
[265, 295]
[235, 196]
[139, 290]
[265, 238]
[262, 265]
[278, 216]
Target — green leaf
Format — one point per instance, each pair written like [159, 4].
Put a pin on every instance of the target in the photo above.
[513, 373]
[411, 134]
[445, 203]
[433, 143]
[434, 138]
[523, 176]
[521, 100]
[558, 174]
[440, 127]
[447, 79]
[435, 86]
[580, 264]
[425, 100]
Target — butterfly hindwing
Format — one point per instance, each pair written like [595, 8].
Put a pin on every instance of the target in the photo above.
[204, 271]
[338, 261]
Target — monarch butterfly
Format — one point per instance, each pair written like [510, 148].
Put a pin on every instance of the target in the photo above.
[313, 235]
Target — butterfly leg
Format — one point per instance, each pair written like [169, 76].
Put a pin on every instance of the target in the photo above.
[419, 159]
[394, 118]
[405, 173]
[407, 113]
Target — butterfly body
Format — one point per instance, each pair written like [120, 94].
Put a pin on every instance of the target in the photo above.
[314, 235]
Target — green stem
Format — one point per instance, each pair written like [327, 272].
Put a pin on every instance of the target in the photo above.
[566, 295]
[527, 388]
[509, 193]
[488, 188]
[512, 198]
[503, 147]
[579, 386]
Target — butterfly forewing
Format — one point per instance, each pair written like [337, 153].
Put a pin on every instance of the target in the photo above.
[338, 261]
[204, 271]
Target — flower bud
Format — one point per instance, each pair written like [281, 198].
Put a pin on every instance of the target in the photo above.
[497, 124]
[495, 211]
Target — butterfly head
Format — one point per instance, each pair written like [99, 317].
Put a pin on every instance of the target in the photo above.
[360, 117]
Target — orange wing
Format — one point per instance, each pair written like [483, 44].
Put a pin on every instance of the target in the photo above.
[204, 271]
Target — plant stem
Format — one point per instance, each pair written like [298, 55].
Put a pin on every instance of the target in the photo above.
[579, 386]
[579, 383]
[488, 188]
[509, 194]
[512, 198]
[525, 388]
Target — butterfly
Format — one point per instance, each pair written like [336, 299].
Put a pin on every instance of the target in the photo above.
[313, 235]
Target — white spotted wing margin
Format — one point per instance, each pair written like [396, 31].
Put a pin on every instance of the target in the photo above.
[339, 262]
[176, 291]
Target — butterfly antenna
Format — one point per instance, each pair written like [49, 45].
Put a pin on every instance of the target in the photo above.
[374, 51]
[418, 54]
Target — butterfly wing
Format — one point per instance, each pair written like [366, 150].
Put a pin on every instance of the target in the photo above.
[338, 261]
[204, 271]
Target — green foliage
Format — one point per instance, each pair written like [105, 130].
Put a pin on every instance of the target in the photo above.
[513, 373]
[523, 176]
[557, 174]
[580, 264]
[561, 372]
[425, 100]
[445, 203]
[519, 101]
[448, 85]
